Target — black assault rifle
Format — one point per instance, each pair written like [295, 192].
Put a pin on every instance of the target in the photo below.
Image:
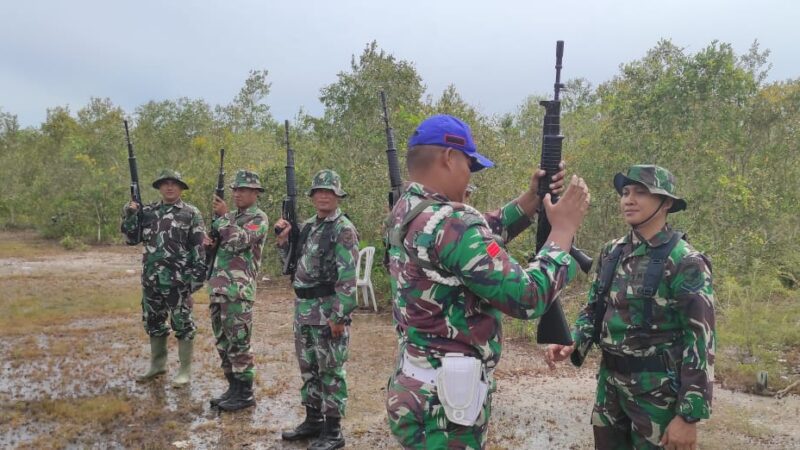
[211, 255]
[553, 327]
[136, 194]
[289, 208]
[395, 182]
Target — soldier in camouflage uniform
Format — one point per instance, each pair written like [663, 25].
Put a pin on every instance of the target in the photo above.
[657, 344]
[452, 278]
[325, 284]
[173, 267]
[232, 286]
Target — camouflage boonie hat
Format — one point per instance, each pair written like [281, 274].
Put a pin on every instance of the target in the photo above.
[247, 179]
[656, 179]
[327, 179]
[168, 174]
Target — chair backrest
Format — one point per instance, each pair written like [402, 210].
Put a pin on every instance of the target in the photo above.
[369, 254]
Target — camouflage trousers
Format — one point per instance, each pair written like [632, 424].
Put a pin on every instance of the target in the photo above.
[175, 305]
[321, 358]
[622, 419]
[418, 421]
[232, 324]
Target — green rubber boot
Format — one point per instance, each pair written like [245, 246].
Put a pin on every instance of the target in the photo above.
[185, 354]
[158, 359]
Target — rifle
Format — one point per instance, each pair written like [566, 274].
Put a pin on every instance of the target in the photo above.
[395, 182]
[211, 256]
[289, 208]
[136, 195]
[553, 327]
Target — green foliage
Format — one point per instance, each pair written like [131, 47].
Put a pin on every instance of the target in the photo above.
[729, 137]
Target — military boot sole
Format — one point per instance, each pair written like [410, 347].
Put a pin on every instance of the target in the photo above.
[297, 434]
[180, 382]
[224, 406]
[150, 376]
[328, 445]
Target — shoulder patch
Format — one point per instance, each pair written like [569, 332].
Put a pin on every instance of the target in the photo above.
[493, 249]
[252, 227]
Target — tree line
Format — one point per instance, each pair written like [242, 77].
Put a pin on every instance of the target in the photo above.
[729, 136]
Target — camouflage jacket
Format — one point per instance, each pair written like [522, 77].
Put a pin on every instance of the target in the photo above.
[433, 318]
[173, 254]
[337, 308]
[242, 236]
[682, 321]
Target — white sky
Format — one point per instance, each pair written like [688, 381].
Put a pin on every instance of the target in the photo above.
[495, 52]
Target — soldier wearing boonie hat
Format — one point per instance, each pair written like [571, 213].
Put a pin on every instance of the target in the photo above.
[325, 286]
[173, 267]
[232, 286]
[651, 313]
[452, 279]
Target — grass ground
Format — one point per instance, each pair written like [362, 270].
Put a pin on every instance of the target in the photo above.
[71, 343]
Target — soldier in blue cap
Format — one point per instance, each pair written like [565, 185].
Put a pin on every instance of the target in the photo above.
[452, 280]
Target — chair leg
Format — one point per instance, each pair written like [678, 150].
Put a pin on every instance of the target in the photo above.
[372, 293]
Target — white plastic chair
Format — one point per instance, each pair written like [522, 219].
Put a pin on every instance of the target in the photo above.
[365, 282]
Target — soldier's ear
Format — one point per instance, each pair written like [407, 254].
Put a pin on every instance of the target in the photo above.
[668, 203]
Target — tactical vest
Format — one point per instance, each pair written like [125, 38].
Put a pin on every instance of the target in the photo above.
[326, 273]
[648, 289]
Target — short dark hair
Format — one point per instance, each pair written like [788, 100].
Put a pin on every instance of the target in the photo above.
[420, 157]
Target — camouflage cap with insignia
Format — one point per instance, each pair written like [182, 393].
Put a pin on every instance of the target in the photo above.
[656, 179]
[327, 179]
[247, 179]
[169, 174]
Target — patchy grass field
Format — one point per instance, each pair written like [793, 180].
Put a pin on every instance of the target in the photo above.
[71, 344]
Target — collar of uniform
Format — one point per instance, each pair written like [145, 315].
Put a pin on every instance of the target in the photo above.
[253, 210]
[420, 190]
[330, 218]
[662, 237]
[179, 204]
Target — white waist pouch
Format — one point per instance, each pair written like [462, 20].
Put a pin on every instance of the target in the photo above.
[460, 388]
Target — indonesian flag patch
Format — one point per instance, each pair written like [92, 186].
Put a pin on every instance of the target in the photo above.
[252, 227]
[493, 249]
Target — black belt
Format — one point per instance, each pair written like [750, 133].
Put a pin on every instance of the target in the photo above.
[322, 290]
[627, 365]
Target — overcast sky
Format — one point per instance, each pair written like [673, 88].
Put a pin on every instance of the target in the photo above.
[495, 52]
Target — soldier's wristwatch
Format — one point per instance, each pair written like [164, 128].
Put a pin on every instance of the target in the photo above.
[689, 419]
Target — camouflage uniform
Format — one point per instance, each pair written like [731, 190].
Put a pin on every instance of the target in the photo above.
[173, 261]
[232, 286]
[633, 409]
[433, 318]
[321, 356]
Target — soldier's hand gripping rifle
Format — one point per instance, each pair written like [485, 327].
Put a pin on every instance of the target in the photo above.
[395, 182]
[289, 208]
[553, 327]
[136, 194]
[211, 255]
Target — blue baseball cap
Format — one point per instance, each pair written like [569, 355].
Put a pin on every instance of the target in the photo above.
[447, 131]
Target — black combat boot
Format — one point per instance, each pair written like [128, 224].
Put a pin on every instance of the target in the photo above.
[331, 437]
[240, 398]
[310, 428]
[226, 394]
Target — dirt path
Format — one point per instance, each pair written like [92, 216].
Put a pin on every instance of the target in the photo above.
[71, 384]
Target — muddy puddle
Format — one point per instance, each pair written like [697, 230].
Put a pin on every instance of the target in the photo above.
[72, 385]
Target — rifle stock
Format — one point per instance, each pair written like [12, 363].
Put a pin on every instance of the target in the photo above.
[289, 208]
[219, 191]
[553, 327]
[136, 194]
